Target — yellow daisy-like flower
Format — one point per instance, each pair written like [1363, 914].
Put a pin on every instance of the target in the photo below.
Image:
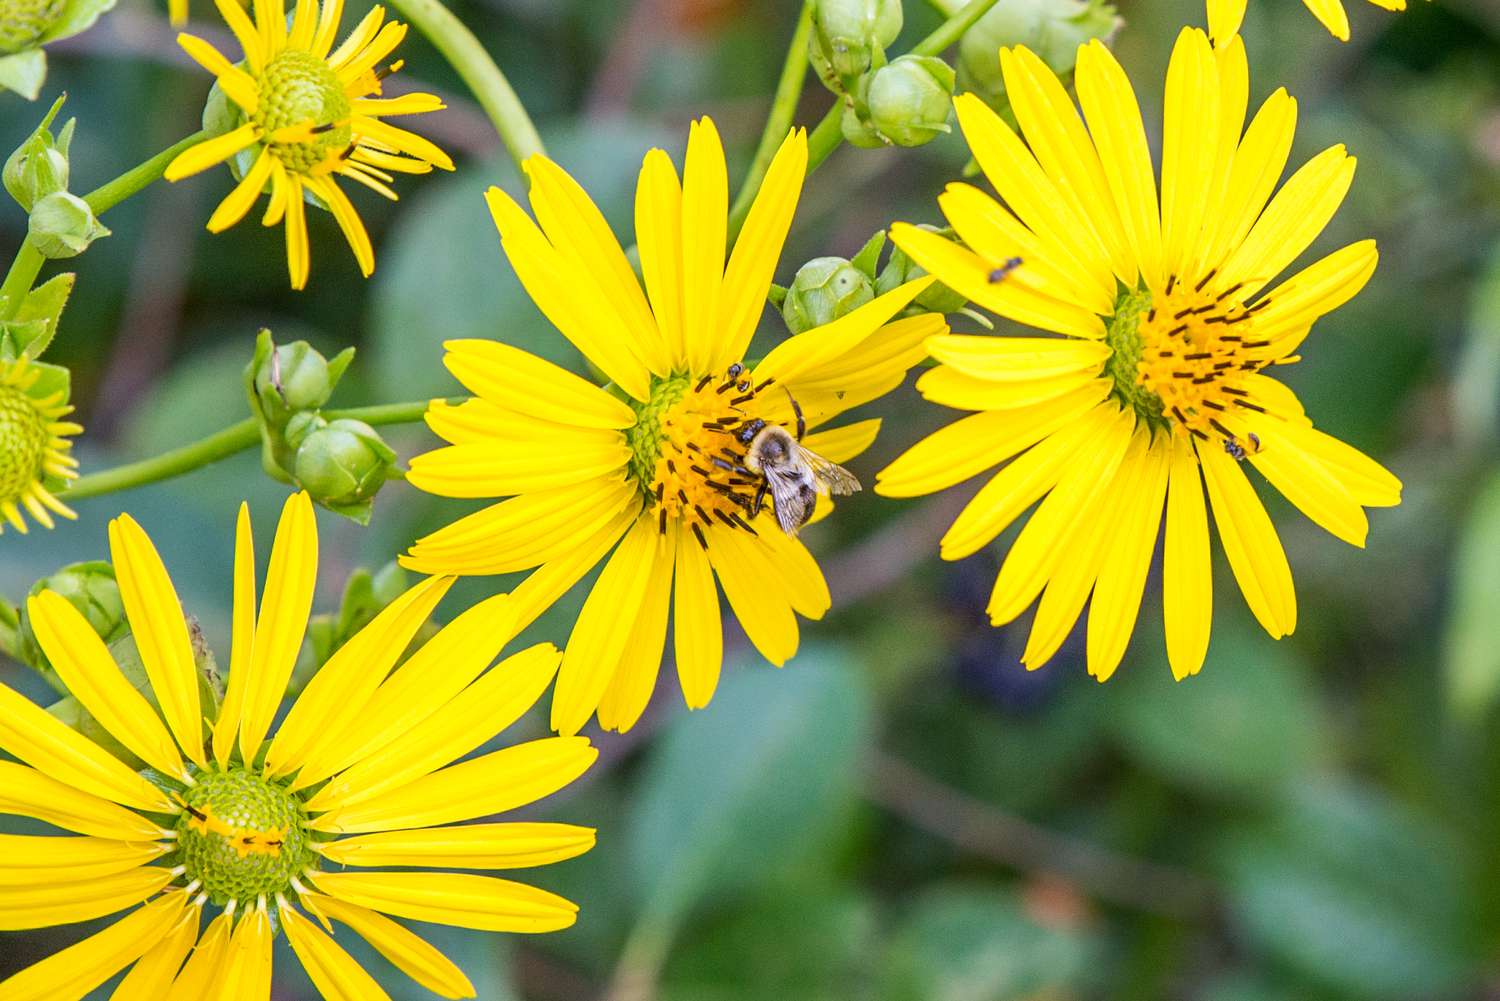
[308, 115]
[1225, 16]
[1157, 385]
[34, 447]
[657, 463]
[358, 776]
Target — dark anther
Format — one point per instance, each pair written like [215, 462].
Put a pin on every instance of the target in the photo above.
[1206, 279]
[1250, 406]
[699, 470]
[719, 513]
[1177, 330]
[1181, 313]
[702, 542]
[661, 524]
[1171, 283]
[1214, 423]
[741, 399]
[1231, 290]
[1235, 392]
[318, 130]
[702, 383]
[1198, 356]
[744, 524]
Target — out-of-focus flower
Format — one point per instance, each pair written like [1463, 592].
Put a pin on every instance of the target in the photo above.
[27, 25]
[1158, 385]
[1053, 29]
[358, 776]
[35, 453]
[1226, 16]
[303, 112]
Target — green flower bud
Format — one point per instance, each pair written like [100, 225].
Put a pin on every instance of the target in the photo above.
[24, 22]
[849, 38]
[39, 166]
[900, 269]
[288, 379]
[1053, 29]
[91, 588]
[342, 464]
[909, 100]
[62, 225]
[825, 289]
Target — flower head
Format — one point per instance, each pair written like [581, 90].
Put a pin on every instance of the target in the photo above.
[356, 780]
[1158, 385]
[34, 447]
[305, 114]
[1225, 16]
[656, 470]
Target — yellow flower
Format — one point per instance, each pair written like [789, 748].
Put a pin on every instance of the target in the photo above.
[358, 775]
[1225, 16]
[306, 115]
[1159, 377]
[34, 447]
[656, 463]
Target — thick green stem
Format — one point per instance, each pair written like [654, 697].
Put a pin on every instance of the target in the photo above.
[219, 445]
[494, 93]
[779, 122]
[28, 263]
[828, 135]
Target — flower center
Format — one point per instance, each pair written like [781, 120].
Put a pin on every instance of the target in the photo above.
[298, 88]
[242, 835]
[686, 449]
[1180, 361]
[22, 22]
[24, 436]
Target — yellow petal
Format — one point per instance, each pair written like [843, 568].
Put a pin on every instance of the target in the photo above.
[1018, 359]
[752, 264]
[603, 628]
[658, 235]
[524, 382]
[342, 688]
[466, 846]
[1257, 165]
[27, 792]
[32, 860]
[206, 964]
[409, 952]
[880, 364]
[349, 222]
[1309, 485]
[843, 443]
[1333, 16]
[64, 903]
[335, 973]
[84, 663]
[418, 688]
[1190, 148]
[46, 743]
[501, 469]
[211, 152]
[246, 972]
[298, 255]
[290, 580]
[1187, 577]
[634, 678]
[1250, 542]
[1313, 292]
[1367, 481]
[151, 976]
[451, 898]
[1224, 19]
[492, 783]
[810, 350]
[698, 633]
[160, 632]
[242, 637]
[75, 971]
[553, 579]
[705, 220]
[244, 32]
[469, 719]
[949, 387]
[240, 86]
[234, 207]
[764, 614]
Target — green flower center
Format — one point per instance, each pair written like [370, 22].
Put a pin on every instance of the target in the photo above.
[298, 88]
[23, 443]
[1180, 360]
[645, 437]
[242, 835]
[23, 22]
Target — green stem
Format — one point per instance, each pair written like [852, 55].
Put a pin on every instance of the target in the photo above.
[219, 445]
[494, 93]
[779, 122]
[828, 135]
[28, 263]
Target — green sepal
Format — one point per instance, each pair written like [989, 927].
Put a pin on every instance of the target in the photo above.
[35, 323]
[24, 73]
[76, 17]
[869, 255]
[10, 630]
[54, 378]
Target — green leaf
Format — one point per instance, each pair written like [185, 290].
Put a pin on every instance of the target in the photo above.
[1476, 380]
[35, 323]
[78, 15]
[730, 797]
[972, 943]
[1471, 655]
[1244, 726]
[23, 72]
[1354, 893]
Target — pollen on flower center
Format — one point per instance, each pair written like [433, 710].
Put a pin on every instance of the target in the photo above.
[24, 435]
[686, 452]
[1180, 360]
[299, 89]
[241, 835]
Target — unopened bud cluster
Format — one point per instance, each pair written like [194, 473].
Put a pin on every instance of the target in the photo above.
[36, 175]
[341, 463]
[827, 288]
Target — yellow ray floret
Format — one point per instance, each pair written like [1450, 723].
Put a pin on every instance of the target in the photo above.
[233, 831]
[1226, 16]
[1153, 391]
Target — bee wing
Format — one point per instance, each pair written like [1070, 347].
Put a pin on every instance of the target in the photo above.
[793, 505]
[836, 478]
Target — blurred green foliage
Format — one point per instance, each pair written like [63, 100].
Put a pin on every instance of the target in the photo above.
[1333, 799]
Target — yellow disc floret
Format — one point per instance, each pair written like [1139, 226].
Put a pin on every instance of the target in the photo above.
[241, 835]
[303, 111]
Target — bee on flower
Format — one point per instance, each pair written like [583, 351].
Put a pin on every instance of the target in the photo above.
[1168, 321]
[343, 814]
[305, 114]
[695, 465]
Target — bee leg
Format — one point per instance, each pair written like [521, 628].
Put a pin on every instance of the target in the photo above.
[797, 409]
[760, 499]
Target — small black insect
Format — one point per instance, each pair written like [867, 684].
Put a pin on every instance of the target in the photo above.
[1004, 271]
[1238, 451]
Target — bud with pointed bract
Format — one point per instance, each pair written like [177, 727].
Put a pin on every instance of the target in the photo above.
[342, 464]
[287, 379]
[62, 225]
[909, 100]
[39, 166]
[824, 289]
[900, 269]
[849, 38]
[91, 588]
